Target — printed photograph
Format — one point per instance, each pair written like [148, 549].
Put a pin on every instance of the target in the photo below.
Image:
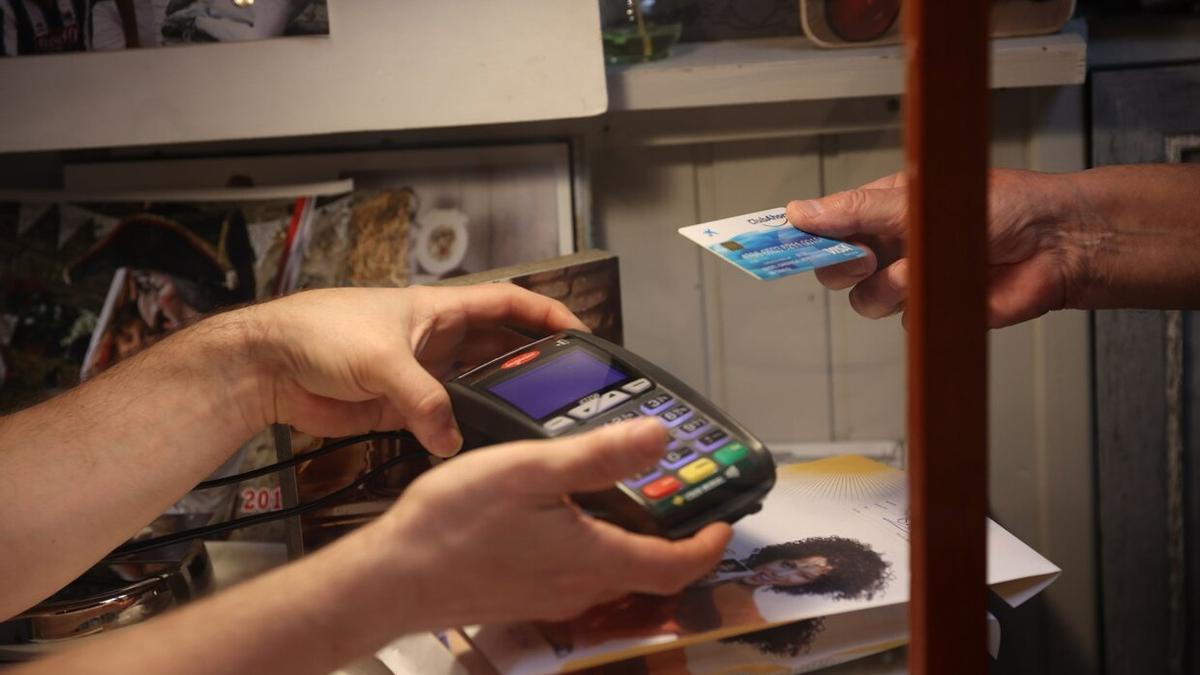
[792, 593]
[836, 568]
[32, 27]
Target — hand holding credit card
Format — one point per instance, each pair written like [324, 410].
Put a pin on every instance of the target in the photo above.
[766, 246]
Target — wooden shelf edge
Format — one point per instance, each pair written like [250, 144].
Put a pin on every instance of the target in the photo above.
[773, 70]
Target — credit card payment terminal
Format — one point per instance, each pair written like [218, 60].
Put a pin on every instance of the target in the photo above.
[570, 382]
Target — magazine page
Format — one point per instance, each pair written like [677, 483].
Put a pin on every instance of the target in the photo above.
[832, 538]
[797, 647]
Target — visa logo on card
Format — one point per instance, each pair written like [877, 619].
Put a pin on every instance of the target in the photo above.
[767, 247]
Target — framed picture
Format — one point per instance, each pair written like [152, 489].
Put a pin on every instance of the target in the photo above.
[32, 27]
[465, 209]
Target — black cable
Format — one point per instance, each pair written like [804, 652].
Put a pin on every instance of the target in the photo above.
[245, 521]
[304, 457]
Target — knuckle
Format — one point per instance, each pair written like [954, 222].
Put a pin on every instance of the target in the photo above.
[507, 484]
[560, 306]
[833, 279]
[377, 351]
[863, 302]
[852, 202]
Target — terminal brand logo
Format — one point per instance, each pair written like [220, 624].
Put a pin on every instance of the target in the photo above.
[769, 219]
[520, 360]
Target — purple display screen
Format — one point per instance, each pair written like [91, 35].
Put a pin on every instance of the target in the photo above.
[557, 382]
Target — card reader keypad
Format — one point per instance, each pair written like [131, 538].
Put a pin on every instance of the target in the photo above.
[699, 452]
[656, 402]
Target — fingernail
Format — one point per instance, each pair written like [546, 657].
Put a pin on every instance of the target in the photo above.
[649, 426]
[808, 208]
[452, 442]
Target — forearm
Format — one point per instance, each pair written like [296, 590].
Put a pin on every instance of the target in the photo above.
[81, 473]
[311, 616]
[1139, 230]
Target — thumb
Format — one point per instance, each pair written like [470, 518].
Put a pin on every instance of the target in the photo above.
[423, 403]
[595, 460]
[861, 211]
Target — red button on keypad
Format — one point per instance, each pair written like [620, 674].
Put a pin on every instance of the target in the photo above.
[662, 487]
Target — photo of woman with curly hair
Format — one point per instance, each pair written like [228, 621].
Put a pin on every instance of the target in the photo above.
[837, 568]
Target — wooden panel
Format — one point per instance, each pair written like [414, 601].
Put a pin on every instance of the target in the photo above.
[1191, 482]
[1146, 627]
[752, 121]
[517, 212]
[946, 158]
[793, 69]
[643, 195]
[1131, 476]
[768, 340]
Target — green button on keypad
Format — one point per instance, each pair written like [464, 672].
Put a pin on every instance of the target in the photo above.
[730, 453]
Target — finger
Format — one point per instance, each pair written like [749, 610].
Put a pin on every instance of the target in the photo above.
[647, 564]
[483, 345]
[845, 275]
[850, 213]
[592, 461]
[883, 293]
[895, 180]
[504, 303]
[423, 402]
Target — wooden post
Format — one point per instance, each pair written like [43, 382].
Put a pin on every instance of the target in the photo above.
[946, 150]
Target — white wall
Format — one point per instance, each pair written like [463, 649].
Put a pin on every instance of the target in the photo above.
[796, 364]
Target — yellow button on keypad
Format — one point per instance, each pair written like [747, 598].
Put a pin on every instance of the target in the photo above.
[698, 470]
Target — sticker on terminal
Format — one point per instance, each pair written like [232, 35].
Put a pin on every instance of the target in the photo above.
[520, 360]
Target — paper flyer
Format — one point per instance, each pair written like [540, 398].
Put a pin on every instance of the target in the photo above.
[830, 542]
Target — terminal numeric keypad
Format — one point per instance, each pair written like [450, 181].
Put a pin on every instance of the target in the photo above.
[696, 453]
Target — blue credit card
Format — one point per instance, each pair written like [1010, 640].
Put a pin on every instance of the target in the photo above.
[766, 246]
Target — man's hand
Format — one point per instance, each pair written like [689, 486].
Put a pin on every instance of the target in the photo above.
[1036, 260]
[346, 361]
[486, 537]
[333, 363]
[490, 536]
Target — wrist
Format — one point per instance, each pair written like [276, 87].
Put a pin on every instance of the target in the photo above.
[1080, 236]
[386, 577]
[238, 343]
